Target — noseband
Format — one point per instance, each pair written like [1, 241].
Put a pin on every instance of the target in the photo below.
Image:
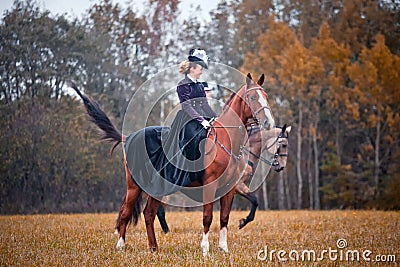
[277, 154]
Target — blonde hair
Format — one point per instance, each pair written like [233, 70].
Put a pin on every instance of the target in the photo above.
[185, 66]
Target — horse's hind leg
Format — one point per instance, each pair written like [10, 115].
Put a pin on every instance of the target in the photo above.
[226, 203]
[132, 194]
[149, 217]
[118, 221]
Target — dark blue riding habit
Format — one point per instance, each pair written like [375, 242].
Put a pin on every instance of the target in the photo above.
[161, 159]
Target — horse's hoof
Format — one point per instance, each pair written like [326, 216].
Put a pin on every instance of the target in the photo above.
[242, 223]
[121, 244]
[153, 249]
[205, 247]
[223, 247]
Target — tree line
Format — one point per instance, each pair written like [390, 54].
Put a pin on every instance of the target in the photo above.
[333, 71]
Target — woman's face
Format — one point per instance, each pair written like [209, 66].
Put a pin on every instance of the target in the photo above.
[196, 71]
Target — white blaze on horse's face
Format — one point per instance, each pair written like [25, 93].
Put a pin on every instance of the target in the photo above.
[264, 103]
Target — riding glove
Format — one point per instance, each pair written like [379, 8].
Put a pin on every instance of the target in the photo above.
[205, 124]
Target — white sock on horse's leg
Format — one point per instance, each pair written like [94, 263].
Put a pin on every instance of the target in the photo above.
[223, 243]
[205, 246]
[121, 244]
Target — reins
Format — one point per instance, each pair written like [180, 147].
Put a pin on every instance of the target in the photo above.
[227, 150]
[276, 155]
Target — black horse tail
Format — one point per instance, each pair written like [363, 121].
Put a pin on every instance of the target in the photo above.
[135, 212]
[108, 131]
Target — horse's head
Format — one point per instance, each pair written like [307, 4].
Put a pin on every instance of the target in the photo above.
[276, 142]
[257, 104]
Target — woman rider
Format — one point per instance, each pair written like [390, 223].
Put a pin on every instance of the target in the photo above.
[191, 123]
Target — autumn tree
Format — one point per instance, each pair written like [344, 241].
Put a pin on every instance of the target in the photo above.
[334, 33]
[51, 160]
[251, 20]
[37, 53]
[375, 88]
[116, 60]
[332, 83]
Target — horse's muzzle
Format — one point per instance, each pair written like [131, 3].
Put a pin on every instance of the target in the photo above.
[279, 169]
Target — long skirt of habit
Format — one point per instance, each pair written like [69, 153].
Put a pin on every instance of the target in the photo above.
[162, 160]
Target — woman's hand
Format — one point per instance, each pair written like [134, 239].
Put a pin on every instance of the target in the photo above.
[205, 124]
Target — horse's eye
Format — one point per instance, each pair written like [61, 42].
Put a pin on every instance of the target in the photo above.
[253, 98]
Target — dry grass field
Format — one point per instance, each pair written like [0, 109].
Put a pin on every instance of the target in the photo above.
[88, 240]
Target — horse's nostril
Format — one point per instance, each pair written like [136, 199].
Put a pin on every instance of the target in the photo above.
[278, 168]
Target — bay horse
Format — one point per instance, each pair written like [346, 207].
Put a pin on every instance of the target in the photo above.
[278, 136]
[224, 146]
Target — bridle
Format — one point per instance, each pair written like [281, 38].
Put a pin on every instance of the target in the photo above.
[278, 140]
[254, 113]
[255, 120]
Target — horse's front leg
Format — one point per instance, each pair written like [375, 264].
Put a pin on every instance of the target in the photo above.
[254, 204]
[208, 199]
[149, 216]
[226, 203]
[207, 219]
[244, 191]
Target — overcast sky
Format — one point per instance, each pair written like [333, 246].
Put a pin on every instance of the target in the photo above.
[76, 8]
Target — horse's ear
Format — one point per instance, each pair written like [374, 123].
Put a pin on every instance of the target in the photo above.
[284, 128]
[261, 80]
[248, 79]
[288, 129]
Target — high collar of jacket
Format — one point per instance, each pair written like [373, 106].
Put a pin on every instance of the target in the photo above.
[191, 79]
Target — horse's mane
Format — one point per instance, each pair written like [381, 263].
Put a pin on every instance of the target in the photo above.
[228, 102]
[230, 99]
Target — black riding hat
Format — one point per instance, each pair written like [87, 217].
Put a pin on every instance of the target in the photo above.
[198, 56]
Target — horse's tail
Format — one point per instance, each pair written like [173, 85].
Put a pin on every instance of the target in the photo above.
[108, 131]
[135, 212]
